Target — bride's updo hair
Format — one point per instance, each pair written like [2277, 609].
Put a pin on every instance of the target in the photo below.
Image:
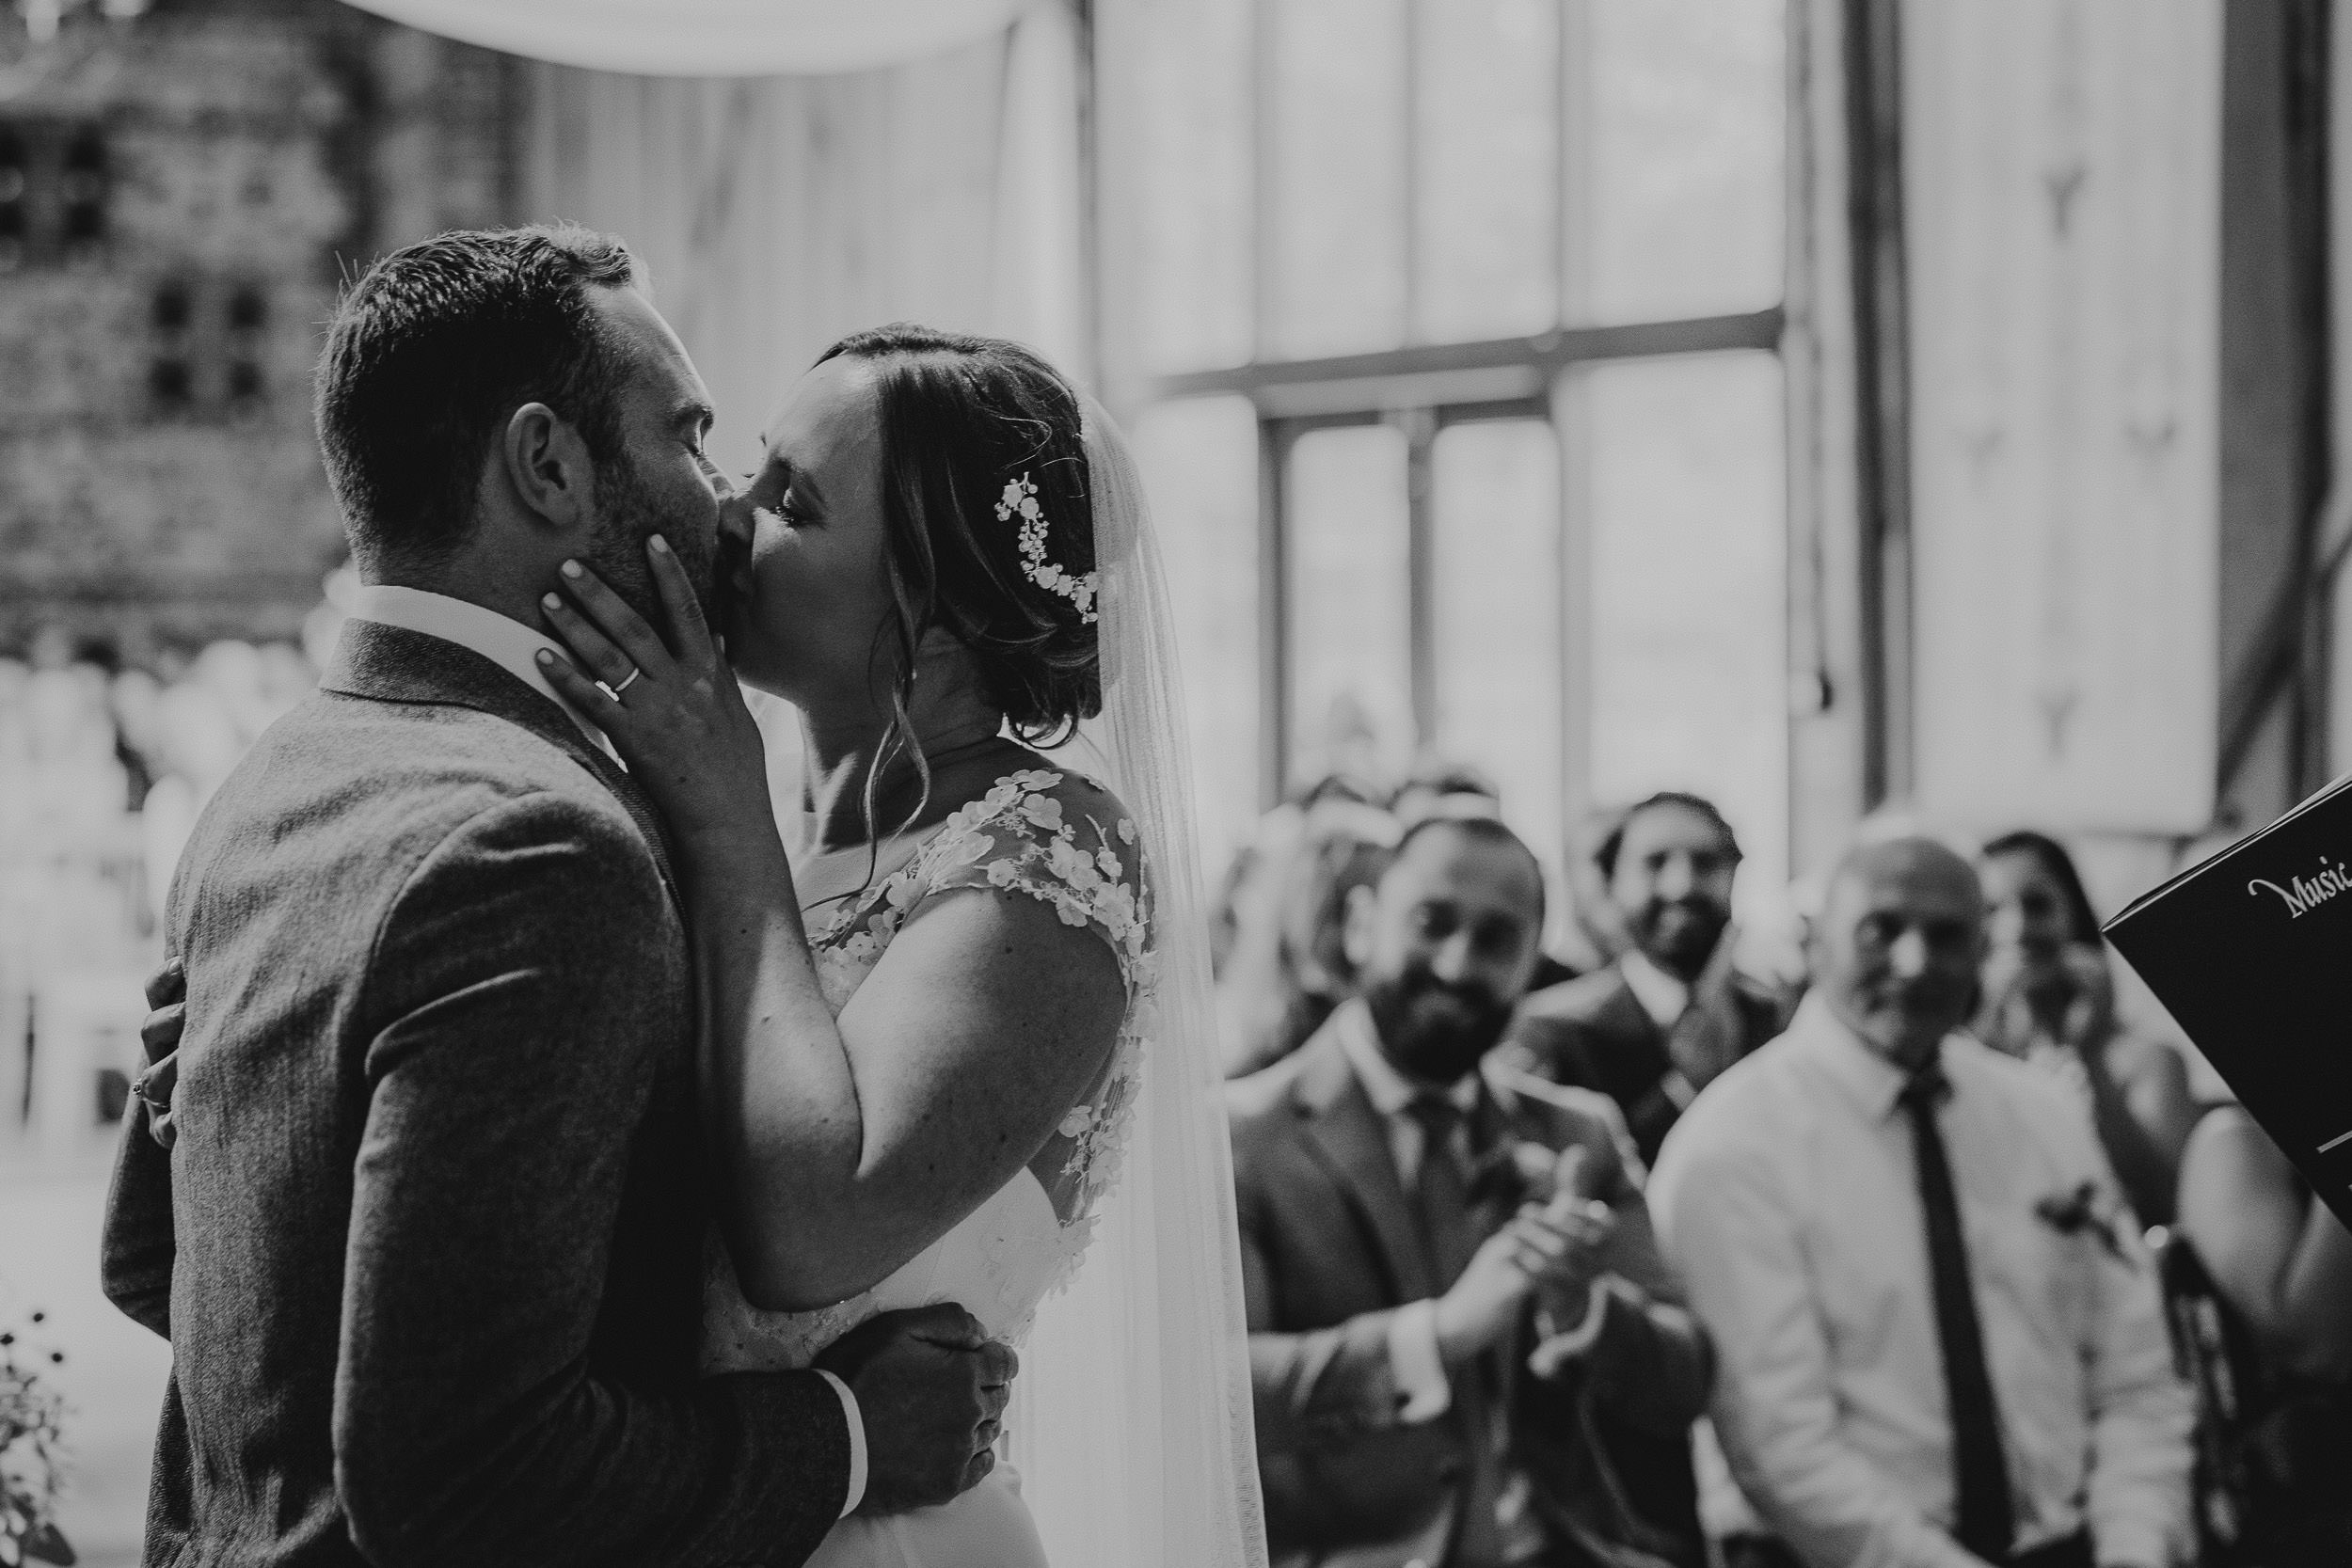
[962, 418]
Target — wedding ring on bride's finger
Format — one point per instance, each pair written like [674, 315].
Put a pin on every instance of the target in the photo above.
[627, 681]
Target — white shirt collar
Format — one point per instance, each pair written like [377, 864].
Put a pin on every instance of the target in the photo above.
[1661, 996]
[1390, 1090]
[505, 641]
[1859, 1069]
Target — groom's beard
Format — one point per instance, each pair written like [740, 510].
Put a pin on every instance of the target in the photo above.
[629, 512]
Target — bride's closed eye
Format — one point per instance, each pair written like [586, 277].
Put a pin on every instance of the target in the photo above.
[786, 510]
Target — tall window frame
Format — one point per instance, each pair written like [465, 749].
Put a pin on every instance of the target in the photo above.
[1424, 388]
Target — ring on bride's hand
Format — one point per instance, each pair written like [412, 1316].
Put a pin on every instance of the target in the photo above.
[634, 671]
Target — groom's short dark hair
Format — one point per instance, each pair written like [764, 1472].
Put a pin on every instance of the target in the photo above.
[431, 351]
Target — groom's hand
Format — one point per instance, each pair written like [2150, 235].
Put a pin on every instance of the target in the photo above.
[931, 1387]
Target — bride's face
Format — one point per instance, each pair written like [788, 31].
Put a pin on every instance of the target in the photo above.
[816, 590]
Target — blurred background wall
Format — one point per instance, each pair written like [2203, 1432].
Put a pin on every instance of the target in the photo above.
[1826, 406]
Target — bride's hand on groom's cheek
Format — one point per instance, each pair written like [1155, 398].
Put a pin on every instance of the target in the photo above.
[668, 700]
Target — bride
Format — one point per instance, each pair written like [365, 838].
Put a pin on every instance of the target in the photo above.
[954, 1048]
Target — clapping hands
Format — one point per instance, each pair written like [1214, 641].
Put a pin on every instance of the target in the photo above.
[1551, 1250]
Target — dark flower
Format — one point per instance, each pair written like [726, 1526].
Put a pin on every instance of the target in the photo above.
[2078, 1213]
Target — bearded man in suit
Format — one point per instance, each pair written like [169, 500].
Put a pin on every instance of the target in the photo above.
[1465, 1346]
[1653, 1027]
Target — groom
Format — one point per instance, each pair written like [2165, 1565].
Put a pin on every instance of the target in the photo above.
[427, 1240]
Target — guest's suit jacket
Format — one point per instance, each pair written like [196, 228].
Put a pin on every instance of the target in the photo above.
[428, 1247]
[1330, 1252]
[1593, 1032]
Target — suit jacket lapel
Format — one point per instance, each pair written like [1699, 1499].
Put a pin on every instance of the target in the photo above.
[1347, 1137]
[392, 664]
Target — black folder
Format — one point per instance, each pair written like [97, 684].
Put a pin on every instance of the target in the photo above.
[2252, 951]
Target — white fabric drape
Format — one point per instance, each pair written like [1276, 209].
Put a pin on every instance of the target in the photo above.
[710, 38]
[2062, 197]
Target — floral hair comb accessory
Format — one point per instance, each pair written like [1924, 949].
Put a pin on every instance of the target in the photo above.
[1020, 499]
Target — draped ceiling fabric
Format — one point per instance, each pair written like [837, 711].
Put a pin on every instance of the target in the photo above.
[2063, 187]
[710, 38]
[778, 213]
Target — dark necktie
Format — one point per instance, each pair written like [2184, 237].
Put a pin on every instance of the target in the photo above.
[1441, 1191]
[1987, 1522]
[1447, 1231]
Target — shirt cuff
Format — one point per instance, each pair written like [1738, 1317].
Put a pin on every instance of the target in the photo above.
[1414, 1362]
[857, 1443]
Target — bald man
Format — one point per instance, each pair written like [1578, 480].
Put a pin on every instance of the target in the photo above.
[1941, 1344]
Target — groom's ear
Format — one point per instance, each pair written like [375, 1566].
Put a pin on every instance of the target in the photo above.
[546, 466]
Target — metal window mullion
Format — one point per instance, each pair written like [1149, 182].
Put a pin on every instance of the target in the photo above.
[1882, 376]
[1275, 440]
[1571, 179]
[1419, 427]
[1409, 19]
[1546, 353]
[1266, 194]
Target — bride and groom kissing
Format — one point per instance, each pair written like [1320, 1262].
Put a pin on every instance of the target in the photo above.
[540, 1166]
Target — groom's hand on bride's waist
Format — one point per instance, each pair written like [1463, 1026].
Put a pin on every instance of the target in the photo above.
[930, 1387]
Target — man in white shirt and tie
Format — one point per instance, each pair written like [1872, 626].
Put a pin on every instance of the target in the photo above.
[1941, 1344]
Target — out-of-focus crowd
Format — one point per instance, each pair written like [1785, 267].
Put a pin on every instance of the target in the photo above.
[104, 767]
[1884, 1239]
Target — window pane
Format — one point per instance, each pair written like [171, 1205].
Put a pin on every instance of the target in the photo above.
[1189, 68]
[1687, 150]
[1200, 463]
[1688, 616]
[1339, 127]
[1494, 489]
[1488, 128]
[1350, 609]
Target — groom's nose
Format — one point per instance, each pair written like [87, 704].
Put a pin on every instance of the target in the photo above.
[720, 485]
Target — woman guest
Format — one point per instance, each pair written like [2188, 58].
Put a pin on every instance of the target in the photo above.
[2264, 1309]
[2048, 997]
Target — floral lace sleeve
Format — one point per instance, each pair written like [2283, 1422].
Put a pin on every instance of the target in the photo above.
[1067, 842]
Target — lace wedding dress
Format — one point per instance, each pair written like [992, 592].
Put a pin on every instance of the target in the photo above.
[1067, 842]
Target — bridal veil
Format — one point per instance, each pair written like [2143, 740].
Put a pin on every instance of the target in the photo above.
[1131, 1421]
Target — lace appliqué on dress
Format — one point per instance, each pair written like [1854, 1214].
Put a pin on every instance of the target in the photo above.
[1020, 837]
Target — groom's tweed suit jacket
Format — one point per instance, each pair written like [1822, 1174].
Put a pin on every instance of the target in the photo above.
[428, 1245]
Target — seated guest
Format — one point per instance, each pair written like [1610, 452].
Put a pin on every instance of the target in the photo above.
[1439, 788]
[1464, 1347]
[1942, 1345]
[1242, 922]
[1278, 988]
[2049, 999]
[2273, 1360]
[1656, 1025]
[1595, 934]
